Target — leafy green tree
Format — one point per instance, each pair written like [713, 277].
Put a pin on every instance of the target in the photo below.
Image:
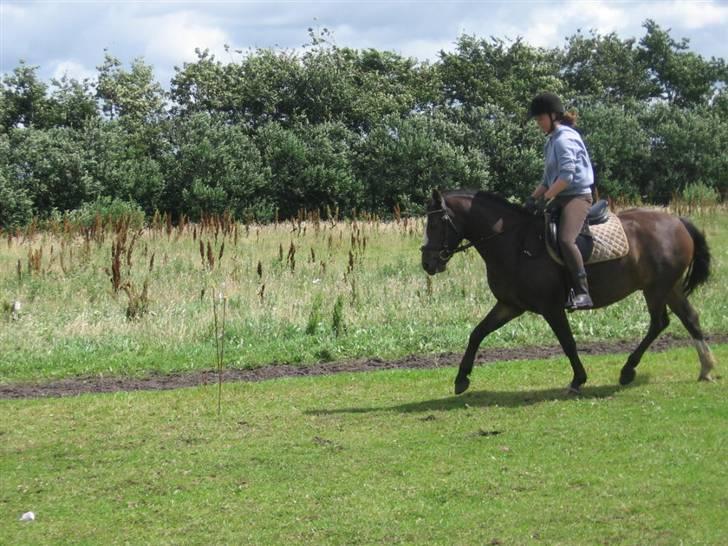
[359, 88]
[277, 131]
[511, 148]
[688, 147]
[310, 167]
[495, 72]
[123, 167]
[16, 207]
[619, 146]
[24, 101]
[257, 90]
[682, 77]
[202, 86]
[49, 166]
[72, 103]
[132, 96]
[401, 160]
[606, 67]
[214, 167]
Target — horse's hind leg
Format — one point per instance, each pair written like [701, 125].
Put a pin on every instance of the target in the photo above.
[497, 317]
[680, 305]
[658, 322]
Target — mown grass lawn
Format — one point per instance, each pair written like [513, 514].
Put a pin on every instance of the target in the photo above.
[379, 458]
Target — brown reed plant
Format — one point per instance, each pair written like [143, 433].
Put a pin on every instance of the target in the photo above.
[138, 304]
[350, 266]
[291, 258]
[35, 258]
[130, 250]
[118, 247]
[210, 256]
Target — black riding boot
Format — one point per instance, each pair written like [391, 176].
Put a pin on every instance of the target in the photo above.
[579, 297]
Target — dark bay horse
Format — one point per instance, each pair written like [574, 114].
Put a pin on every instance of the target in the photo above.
[668, 258]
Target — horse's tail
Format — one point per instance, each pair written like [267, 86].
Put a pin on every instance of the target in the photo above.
[699, 270]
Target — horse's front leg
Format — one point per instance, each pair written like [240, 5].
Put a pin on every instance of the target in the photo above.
[560, 325]
[497, 317]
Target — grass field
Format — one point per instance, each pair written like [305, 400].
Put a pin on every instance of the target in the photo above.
[296, 293]
[379, 458]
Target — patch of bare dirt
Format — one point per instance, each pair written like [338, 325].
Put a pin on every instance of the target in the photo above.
[82, 385]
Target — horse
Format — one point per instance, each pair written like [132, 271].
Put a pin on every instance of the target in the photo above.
[668, 258]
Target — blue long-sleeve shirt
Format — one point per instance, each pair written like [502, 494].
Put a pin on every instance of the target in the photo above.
[566, 158]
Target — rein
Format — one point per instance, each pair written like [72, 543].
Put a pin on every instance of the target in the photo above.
[445, 252]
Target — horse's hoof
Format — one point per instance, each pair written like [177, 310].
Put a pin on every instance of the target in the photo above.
[706, 377]
[573, 390]
[627, 376]
[461, 385]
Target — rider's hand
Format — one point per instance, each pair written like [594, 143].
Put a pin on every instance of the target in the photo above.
[531, 204]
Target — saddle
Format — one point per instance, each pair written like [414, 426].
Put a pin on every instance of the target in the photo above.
[602, 236]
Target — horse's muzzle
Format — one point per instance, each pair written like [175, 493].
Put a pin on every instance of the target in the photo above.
[433, 261]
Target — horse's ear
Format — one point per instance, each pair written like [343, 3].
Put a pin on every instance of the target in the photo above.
[436, 196]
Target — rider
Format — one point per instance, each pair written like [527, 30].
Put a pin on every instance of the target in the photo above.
[566, 185]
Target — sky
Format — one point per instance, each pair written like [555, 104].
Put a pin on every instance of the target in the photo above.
[70, 36]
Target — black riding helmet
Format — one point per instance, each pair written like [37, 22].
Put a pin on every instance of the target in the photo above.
[545, 103]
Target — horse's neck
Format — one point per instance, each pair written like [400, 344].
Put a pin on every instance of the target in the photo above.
[497, 226]
[485, 219]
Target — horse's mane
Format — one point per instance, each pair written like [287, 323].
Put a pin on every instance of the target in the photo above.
[481, 196]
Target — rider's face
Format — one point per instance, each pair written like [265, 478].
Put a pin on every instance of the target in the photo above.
[544, 122]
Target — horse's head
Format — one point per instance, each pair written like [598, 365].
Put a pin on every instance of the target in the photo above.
[442, 235]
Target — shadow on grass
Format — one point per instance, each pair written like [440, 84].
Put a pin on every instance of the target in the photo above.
[485, 399]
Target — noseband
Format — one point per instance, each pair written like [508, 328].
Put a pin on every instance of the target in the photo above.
[445, 253]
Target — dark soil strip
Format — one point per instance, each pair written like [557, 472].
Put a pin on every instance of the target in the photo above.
[81, 385]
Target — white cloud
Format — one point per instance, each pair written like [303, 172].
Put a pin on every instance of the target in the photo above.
[73, 69]
[13, 11]
[542, 34]
[602, 16]
[425, 50]
[172, 38]
[691, 15]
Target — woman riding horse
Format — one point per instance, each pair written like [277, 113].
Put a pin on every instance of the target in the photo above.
[668, 258]
[567, 182]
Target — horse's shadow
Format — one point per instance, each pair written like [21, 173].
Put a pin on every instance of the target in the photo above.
[486, 399]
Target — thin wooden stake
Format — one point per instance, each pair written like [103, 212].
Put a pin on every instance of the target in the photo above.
[219, 344]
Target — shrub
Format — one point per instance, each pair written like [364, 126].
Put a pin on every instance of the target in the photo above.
[107, 211]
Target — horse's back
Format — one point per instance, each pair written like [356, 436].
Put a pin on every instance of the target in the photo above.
[660, 252]
[659, 242]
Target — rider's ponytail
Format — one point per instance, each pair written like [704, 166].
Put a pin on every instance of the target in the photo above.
[568, 118]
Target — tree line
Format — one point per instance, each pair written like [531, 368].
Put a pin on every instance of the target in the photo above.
[331, 128]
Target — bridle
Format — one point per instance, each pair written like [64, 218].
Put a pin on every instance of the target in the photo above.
[445, 253]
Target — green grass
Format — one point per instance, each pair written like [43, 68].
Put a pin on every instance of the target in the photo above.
[379, 458]
[322, 309]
